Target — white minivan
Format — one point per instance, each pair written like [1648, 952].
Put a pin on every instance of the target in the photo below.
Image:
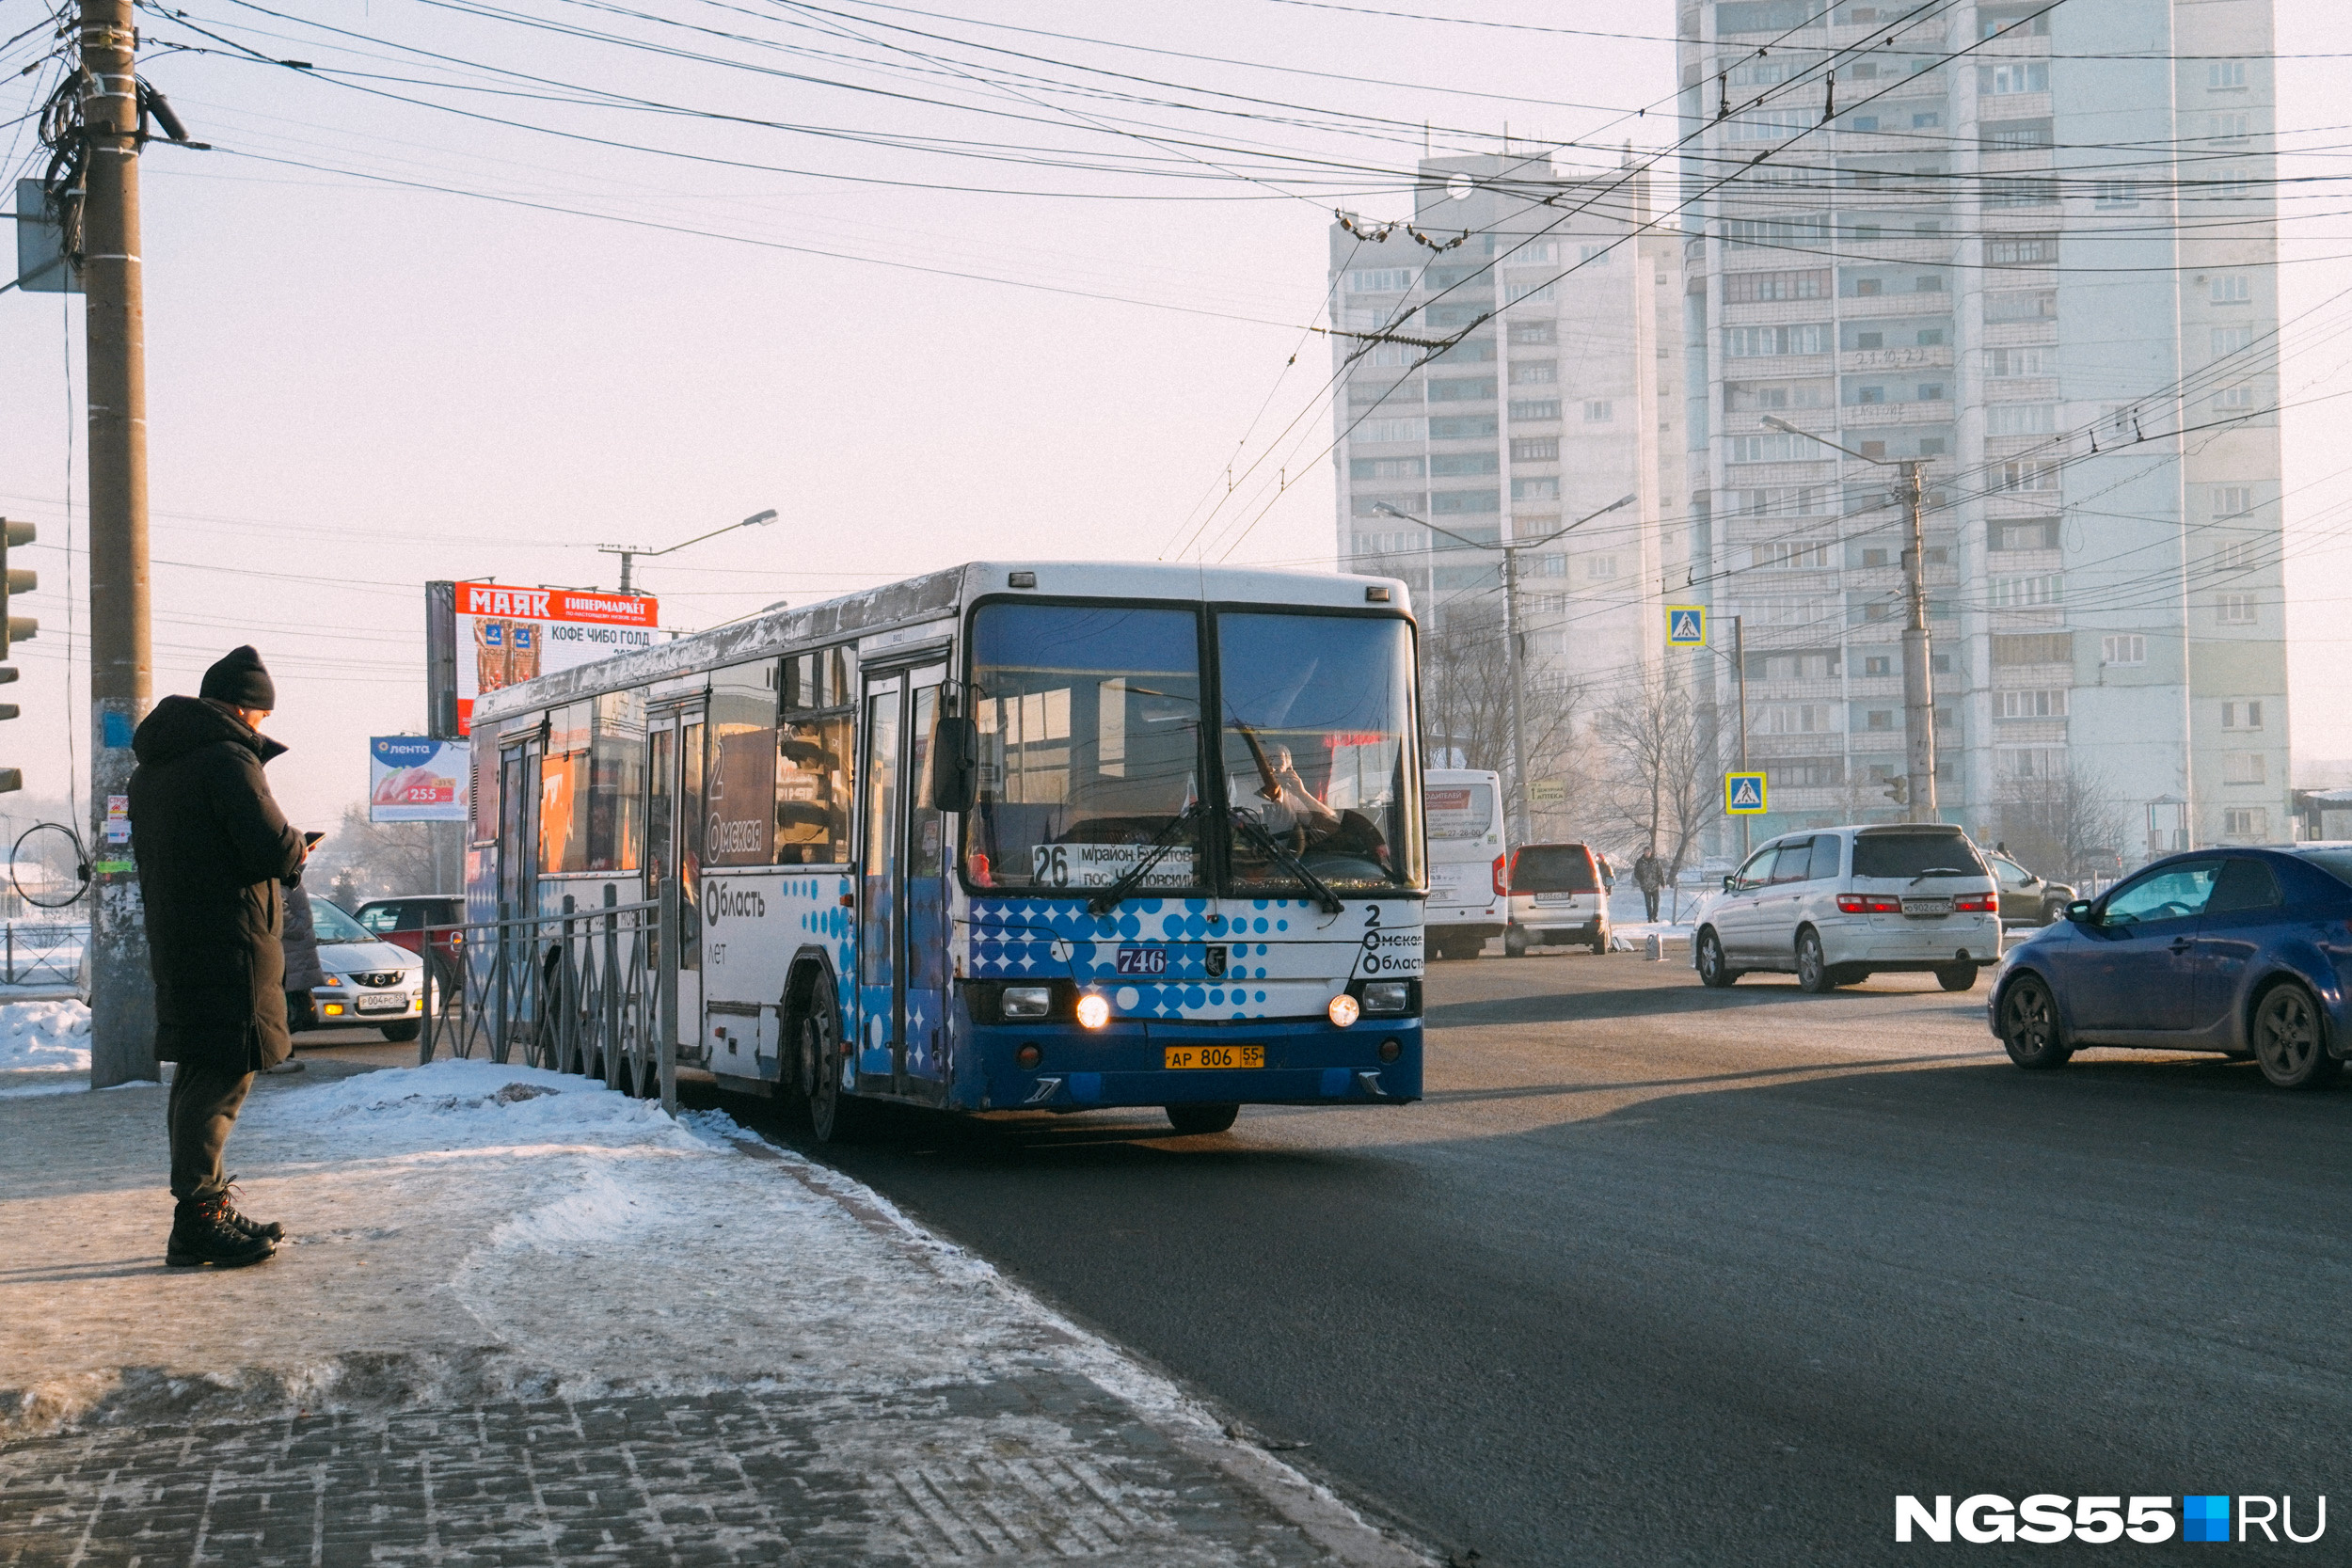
[1463, 808]
[1837, 905]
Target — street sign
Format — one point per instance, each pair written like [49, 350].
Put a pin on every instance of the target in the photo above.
[1548, 792]
[1744, 793]
[1686, 625]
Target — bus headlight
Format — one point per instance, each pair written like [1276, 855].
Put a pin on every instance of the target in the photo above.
[1027, 1001]
[1388, 996]
[1094, 1010]
[1343, 1009]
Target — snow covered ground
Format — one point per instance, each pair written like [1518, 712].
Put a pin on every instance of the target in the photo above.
[44, 1036]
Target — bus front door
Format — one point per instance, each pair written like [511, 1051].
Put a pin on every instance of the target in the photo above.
[902, 894]
[674, 837]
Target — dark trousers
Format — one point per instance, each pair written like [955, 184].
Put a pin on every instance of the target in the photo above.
[1649, 898]
[203, 1107]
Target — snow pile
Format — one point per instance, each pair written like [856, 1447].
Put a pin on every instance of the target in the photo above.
[462, 1105]
[44, 1036]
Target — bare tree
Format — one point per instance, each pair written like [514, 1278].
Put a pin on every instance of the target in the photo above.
[362, 860]
[1465, 701]
[2071, 821]
[1659, 772]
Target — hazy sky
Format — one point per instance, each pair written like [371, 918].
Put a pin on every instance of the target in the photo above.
[357, 386]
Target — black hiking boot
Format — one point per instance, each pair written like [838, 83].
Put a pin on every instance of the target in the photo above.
[271, 1231]
[200, 1233]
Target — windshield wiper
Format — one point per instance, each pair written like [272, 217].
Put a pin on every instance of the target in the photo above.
[1132, 879]
[1941, 871]
[1296, 867]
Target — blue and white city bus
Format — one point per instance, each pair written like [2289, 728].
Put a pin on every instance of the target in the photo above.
[1039, 835]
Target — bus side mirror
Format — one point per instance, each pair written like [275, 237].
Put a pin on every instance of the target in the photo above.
[955, 764]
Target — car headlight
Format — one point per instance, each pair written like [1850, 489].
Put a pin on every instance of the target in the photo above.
[1094, 1010]
[1027, 1001]
[1388, 996]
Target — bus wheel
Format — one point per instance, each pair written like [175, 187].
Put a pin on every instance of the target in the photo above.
[1193, 1120]
[834, 1115]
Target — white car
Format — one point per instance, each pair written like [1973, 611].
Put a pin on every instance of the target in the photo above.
[369, 983]
[1835, 905]
[1558, 895]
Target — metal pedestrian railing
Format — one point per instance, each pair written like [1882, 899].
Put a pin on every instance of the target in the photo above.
[582, 991]
[38, 953]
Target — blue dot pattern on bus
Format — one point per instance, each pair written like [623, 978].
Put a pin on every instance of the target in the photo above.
[1060, 938]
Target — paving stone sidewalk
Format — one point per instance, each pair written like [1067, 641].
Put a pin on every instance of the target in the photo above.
[491, 1370]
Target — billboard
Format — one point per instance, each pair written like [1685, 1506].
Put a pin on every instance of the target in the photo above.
[412, 778]
[481, 636]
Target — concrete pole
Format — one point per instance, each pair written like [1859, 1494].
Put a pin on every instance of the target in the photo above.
[122, 999]
[1513, 664]
[1918, 689]
[1739, 669]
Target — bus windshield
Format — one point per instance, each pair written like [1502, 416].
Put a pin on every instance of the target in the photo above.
[1316, 724]
[1089, 722]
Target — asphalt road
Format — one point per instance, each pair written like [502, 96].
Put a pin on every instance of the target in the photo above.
[1661, 1275]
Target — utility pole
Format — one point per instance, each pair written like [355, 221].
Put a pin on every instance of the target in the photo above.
[1918, 799]
[122, 1001]
[1511, 673]
[1918, 686]
[1740, 672]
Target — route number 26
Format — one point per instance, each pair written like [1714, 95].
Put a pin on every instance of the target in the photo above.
[1049, 865]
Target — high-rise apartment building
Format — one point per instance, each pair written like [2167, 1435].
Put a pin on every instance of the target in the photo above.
[1561, 396]
[2033, 247]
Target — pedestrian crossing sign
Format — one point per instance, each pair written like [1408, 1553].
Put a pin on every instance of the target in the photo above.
[1744, 793]
[1686, 625]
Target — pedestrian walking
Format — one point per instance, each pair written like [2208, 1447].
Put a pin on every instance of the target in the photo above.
[1649, 875]
[214, 854]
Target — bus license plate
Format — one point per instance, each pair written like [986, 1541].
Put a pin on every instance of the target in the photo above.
[1215, 1055]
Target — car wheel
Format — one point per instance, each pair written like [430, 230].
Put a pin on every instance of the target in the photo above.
[1713, 970]
[1194, 1120]
[2289, 1041]
[403, 1032]
[1515, 943]
[2029, 1025]
[1814, 974]
[1957, 976]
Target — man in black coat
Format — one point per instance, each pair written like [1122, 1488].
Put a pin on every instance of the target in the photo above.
[214, 853]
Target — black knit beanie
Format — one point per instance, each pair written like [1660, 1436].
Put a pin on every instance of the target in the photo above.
[239, 680]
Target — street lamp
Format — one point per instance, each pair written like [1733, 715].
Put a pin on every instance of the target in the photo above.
[1918, 695]
[1510, 623]
[628, 552]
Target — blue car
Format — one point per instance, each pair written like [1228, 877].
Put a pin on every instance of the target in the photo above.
[2245, 952]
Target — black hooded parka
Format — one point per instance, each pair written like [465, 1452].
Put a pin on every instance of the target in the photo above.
[213, 851]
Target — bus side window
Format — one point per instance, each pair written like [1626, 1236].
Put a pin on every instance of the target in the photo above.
[816, 760]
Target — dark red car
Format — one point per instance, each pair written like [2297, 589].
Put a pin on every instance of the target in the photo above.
[402, 923]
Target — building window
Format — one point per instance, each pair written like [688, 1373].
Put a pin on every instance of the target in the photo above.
[2232, 339]
[1599, 411]
[2233, 501]
[1930, 391]
[1783, 556]
[2009, 364]
[1750, 342]
[2244, 767]
[1779, 448]
[1869, 394]
[1467, 390]
[2124, 648]
[2030, 705]
[2235, 554]
[1797, 718]
[2047, 588]
[1466, 500]
[2115, 193]
[1380, 281]
[1534, 408]
[1374, 506]
[1535, 449]
[2019, 418]
[2237, 609]
[2230, 288]
[1384, 467]
[2033, 474]
[1926, 121]
[1551, 565]
[1879, 664]
[1534, 332]
[1464, 427]
[2020, 305]
[1514, 294]
[1601, 568]
[1879, 718]
[1387, 430]
[1464, 463]
[2235, 397]
[1999, 81]
[2242, 716]
[2021, 250]
[2034, 534]
[1754, 288]
[1535, 371]
[2225, 76]
[1535, 490]
[2227, 127]
[1598, 253]
[2246, 822]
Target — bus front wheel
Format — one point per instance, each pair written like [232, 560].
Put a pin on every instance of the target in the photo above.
[1193, 1120]
[836, 1115]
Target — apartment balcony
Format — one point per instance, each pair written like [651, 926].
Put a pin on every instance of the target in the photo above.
[1908, 302]
[2037, 160]
[1935, 357]
[2014, 105]
[1877, 416]
[1775, 367]
[1772, 312]
[2022, 388]
[1897, 248]
[2021, 334]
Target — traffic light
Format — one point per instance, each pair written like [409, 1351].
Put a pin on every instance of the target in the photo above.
[1899, 789]
[13, 629]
